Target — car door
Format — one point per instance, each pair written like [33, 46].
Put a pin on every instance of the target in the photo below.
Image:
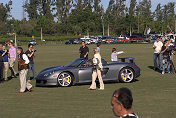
[85, 74]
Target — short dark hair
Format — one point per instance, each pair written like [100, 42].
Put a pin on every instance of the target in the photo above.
[20, 48]
[125, 97]
[83, 41]
[113, 49]
[11, 42]
[29, 45]
[98, 44]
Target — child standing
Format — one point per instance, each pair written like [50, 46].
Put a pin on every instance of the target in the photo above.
[114, 54]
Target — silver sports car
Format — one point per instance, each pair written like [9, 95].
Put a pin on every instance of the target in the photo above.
[80, 70]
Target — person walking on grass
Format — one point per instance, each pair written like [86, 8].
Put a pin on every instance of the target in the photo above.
[98, 46]
[30, 53]
[12, 58]
[157, 53]
[84, 51]
[23, 62]
[97, 67]
[121, 103]
[4, 55]
[114, 54]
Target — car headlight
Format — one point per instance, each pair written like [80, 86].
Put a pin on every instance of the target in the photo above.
[47, 74]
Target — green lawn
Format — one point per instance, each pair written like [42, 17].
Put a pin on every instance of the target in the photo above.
[154, 94]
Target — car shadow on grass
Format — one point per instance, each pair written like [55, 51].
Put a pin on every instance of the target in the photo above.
[157, 70]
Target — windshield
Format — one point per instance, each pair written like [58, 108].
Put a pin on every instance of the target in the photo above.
[75, 63]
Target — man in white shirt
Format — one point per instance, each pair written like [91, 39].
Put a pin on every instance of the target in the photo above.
[23, 62]
[157, 53]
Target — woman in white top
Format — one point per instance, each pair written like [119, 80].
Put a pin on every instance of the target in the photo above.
[114, 54]
[97, 67]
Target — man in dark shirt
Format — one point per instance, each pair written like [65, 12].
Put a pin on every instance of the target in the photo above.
[5, 60]
[166, 57]
[30, 53]
[121, 103]
[1, 65]
[84, 50]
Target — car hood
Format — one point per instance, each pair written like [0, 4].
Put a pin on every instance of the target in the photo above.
[52, 69]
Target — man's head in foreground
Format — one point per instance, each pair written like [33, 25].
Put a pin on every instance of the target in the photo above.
[121, 102]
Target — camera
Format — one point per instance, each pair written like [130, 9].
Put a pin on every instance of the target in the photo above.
[34, 50]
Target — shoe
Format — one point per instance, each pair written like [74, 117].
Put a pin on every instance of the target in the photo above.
[21, 92]
[101, 89]
[30, 89]
[91, 89]
[163, 73]
[13, 76]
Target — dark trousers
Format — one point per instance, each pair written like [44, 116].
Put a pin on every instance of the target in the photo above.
[1, 71]
[155, 56]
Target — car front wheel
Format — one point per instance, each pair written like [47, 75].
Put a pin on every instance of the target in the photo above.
[65, 79]
[126, 75]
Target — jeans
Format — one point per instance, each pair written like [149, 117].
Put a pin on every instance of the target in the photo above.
[166, 63]
[31, 67]
[155, 56]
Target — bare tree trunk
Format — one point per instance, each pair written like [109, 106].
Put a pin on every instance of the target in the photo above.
[130, 30]
[108, 29]
[138, 24]
[103, 29]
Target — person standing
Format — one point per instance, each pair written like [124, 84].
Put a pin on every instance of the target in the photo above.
[23, 62]
[97, 67]
[30, 53]
[121, 103]
[98, 46]
[157, 53]
[114, 54]
[4, 53]
[12, 58]
[84, 51]
[166, 56]
[1, 66]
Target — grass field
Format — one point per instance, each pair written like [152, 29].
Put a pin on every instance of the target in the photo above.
[154, 94]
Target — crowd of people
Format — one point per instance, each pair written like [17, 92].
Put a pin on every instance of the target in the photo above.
[25, 64]
[163, 47]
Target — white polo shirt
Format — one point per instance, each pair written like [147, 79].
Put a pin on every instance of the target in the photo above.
[158, 46]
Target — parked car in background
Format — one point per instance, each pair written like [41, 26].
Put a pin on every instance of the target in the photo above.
[69, 41]
[33, 42]
[136, 39]
[107, 39]
[77, 41]
[122, 40]
[87, 41]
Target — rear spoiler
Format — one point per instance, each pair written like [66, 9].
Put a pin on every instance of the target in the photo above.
[131, 60]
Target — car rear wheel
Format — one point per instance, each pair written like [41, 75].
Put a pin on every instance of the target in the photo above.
[126, 75]
[65, 79]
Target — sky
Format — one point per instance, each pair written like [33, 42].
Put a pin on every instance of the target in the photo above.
[17, 10]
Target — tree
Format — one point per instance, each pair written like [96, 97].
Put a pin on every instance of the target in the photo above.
[4, 12]
[132, 7]
[97, 7]
[31, 8]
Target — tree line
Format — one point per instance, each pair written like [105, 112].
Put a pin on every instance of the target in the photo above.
[75, 17]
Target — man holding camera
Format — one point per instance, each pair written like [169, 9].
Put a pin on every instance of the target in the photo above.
[30, 53]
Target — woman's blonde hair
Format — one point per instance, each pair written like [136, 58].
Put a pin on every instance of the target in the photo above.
[95, 50]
